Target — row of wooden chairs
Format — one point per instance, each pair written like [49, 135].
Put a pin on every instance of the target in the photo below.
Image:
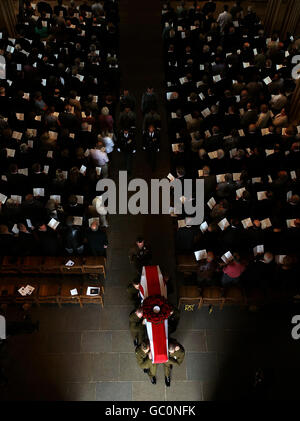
[186, 263]
[49, 291]
[53, 265]
[191, 296]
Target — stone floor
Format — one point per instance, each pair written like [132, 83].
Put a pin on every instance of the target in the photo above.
[87, 354]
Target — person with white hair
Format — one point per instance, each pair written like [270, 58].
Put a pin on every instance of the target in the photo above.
[100, 210]
[105, 120]
[224, 18]
[97, 7]
[99, 157]
[107, 139]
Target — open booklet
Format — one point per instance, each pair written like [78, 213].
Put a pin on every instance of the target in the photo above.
[258, 249]
[265, 223]
[53, 223]
[200, 254]
[247, 223]
[279, 259]
[93, 291]
[204, 226]
[26, 290]
[223, 224]
[211, 203]
[227, 257]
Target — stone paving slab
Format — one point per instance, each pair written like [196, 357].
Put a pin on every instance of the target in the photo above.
[96, 342]
[81, 392]
[105, 366]
[116, 295]
[113, 391]
[202, 366]
[194, 341]
[146, 391]
[184, 391]
[122, 341]
[75, 367]
[63, 342]
[115, 317]
[118, 278]
[129, 369]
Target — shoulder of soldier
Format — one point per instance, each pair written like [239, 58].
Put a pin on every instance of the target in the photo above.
[133, 316]
[139, 351]
[181, 350]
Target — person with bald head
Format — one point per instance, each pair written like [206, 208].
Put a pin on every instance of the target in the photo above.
[97, 240]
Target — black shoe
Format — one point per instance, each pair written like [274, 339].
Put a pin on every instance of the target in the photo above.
[146, 370]
[167, 381]
[135, 342]
[153, 380]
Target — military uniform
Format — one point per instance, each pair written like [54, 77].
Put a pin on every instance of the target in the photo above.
[144, 362]
[173, 320]
[127, 145]
[174, 359]
[151, 143]
[137, 329]
[134, 295]
[140, 256]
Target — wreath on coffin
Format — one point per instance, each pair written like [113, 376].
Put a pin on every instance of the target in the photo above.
[156, 309]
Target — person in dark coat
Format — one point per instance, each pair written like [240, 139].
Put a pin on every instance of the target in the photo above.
[73, 238]
[97, 240]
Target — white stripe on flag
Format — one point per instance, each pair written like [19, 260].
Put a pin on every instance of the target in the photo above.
[163, 288]
[150, 337]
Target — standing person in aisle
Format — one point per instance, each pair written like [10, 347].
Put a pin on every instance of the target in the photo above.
[127, 145]
[149, 101]
[176, 357]
[151, 144]
[143, 355]
[137, 326]
[140, 254]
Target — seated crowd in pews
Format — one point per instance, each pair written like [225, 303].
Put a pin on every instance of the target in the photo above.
[229, 101]
[57, 114]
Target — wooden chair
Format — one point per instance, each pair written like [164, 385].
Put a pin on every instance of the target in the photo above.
[94, 264]
[212, 296]
[189, 296]
[92, 299]
[255, 297]
[75, 269]
[65, 295]
[52, 264]
[186, 263]
[32, 264]
[7, 291]
[11, 264]
[234, 295]
[49, 292]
